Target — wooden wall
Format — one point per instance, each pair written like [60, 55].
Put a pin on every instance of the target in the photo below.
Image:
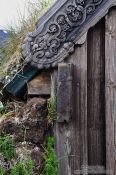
[89, 139]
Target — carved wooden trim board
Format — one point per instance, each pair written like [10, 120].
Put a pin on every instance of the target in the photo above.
[60, 29]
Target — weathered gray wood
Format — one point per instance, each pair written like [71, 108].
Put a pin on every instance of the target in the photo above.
[60, 29]
[96, 95]
[62, 132]
[40, 85]
[64, 92]
[79, 123]
[63, 128]
[110, 77]
[82, 141]
[71, 138]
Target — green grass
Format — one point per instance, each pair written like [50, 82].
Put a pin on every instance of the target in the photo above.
[23, 169]
[52, 105]
[51, 167]
[7, 147]
[2, 171]
[52, 109]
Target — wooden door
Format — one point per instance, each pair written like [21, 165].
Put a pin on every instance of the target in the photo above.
[88, 140]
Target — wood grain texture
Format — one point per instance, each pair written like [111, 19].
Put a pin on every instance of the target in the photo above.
[64, 92]
[79, 123]
[96, 95]
[60, 29]
[62, 132]
[90, 137]
[110, 76]
[40, 85]
[71, 137]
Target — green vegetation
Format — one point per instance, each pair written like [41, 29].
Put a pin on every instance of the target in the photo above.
[51, 167]
[23, 169]
[7, 147]
[20, 169]
[12, 52]
[2, 171]
[11, 62]
[52, 106]
[52, 109]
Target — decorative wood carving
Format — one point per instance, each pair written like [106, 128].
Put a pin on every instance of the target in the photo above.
[60, 29]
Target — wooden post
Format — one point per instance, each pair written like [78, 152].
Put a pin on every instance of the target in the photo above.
[78, 124]
[63, 127]
[110, 85]
[64, 92]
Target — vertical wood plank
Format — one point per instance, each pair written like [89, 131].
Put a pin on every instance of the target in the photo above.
[71, 138]
[64, 92]
[79, 123]
[110, 76]
[96, 96]
[62, 132]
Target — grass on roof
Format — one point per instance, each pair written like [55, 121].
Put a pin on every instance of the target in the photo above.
[12, 51]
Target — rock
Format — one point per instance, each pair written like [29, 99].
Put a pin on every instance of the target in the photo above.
[7, 165]
[37, 155]
[27, 123]
[30, 124]
[27, 150]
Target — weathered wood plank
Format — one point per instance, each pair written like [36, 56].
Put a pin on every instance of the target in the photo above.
[62, 133]
[96, 95]
[79, 123]
[40, 85]
[63, 128]
[110, 77]
[64, 92]
[71, 138]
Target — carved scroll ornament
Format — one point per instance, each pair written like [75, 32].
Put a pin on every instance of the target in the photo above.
[60, 29]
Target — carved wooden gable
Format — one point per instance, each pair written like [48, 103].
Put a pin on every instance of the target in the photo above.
[60, 29]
